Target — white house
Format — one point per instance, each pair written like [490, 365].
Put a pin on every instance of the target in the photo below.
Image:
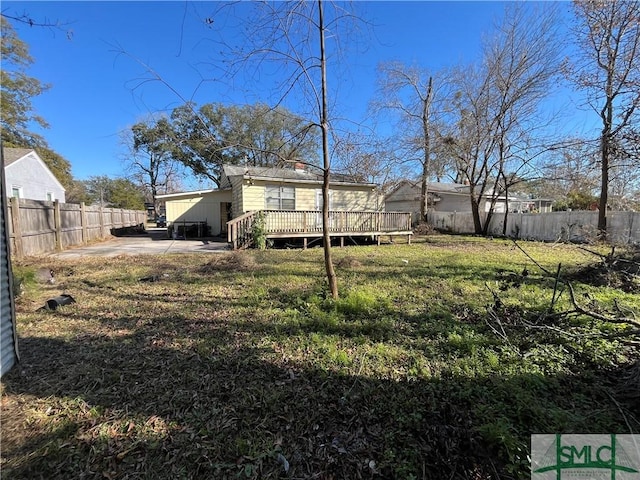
[452, 197]
[27, 176]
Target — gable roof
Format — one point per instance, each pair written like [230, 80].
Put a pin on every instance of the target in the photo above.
[13, 155]
[433, 187]
[288, 174]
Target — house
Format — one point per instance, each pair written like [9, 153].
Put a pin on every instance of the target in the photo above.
[530, 205]
[27, 176]
[447, 197]
[299, 188]
[442, 197]
[289, 199]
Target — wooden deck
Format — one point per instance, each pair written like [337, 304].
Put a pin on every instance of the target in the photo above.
[307, 224]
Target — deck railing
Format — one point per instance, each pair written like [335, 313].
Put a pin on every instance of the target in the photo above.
[301, 222]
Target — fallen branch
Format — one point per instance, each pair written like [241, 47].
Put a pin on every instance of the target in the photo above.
[599, 316]
[531, 258]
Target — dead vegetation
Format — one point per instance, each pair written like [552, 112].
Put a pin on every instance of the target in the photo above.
[237, 261]
[619, 269]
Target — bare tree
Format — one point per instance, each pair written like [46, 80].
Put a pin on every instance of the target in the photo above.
[292, 37]
[366, 157]
[497, 102]
[150, 161]
[608, 69]
[422, 99]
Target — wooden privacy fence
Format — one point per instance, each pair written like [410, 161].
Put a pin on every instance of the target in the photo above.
[37, 227]
[575, 226]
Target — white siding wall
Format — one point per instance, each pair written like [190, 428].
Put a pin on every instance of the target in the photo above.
[452, 202]
[33, 179]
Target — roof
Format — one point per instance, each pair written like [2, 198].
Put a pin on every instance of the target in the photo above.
[288, 174]
[434, 187]
[14, 154]
[192, 193]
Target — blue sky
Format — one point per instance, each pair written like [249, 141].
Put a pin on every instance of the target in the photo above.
[96, 92]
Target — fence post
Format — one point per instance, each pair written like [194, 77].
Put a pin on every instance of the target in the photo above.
[101, 221]
[14, 205]
[57, 220]
[83, 223]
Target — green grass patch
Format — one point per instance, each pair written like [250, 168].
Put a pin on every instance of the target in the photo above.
[239, 365]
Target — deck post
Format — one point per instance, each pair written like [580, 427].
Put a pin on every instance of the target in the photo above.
[342, 241]
[304, 243]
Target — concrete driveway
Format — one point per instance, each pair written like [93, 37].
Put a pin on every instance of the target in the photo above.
[154, 243]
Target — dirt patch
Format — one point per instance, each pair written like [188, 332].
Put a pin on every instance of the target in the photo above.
[348, 262]
[424, 229]
[236, 261]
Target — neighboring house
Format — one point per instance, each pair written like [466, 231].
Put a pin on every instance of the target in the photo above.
[530, 205]
[442, 197]
[291, 201]
[27, 176]
[453, 197]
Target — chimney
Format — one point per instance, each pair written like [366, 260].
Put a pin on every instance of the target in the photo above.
[299, 167]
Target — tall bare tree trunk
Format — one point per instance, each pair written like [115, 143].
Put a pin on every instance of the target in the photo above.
[605, 150]
[426, 163]
[324, 126]
[475, 213]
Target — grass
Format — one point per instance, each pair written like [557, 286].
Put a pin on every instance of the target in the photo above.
[238, 365]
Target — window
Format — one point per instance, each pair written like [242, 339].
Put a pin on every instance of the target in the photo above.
[50, 197]
[16, 192]
[280, 198]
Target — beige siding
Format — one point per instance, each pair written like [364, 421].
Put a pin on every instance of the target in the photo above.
[204, 208]
[252, 197]
[352, 200]
[306, 197]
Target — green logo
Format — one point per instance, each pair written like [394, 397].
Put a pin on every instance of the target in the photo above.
[585, 456]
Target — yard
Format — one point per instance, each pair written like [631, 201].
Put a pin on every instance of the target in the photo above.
[439, 361]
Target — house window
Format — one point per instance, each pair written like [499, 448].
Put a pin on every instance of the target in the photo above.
[50, 197]
[280, 198]
[16, 192]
